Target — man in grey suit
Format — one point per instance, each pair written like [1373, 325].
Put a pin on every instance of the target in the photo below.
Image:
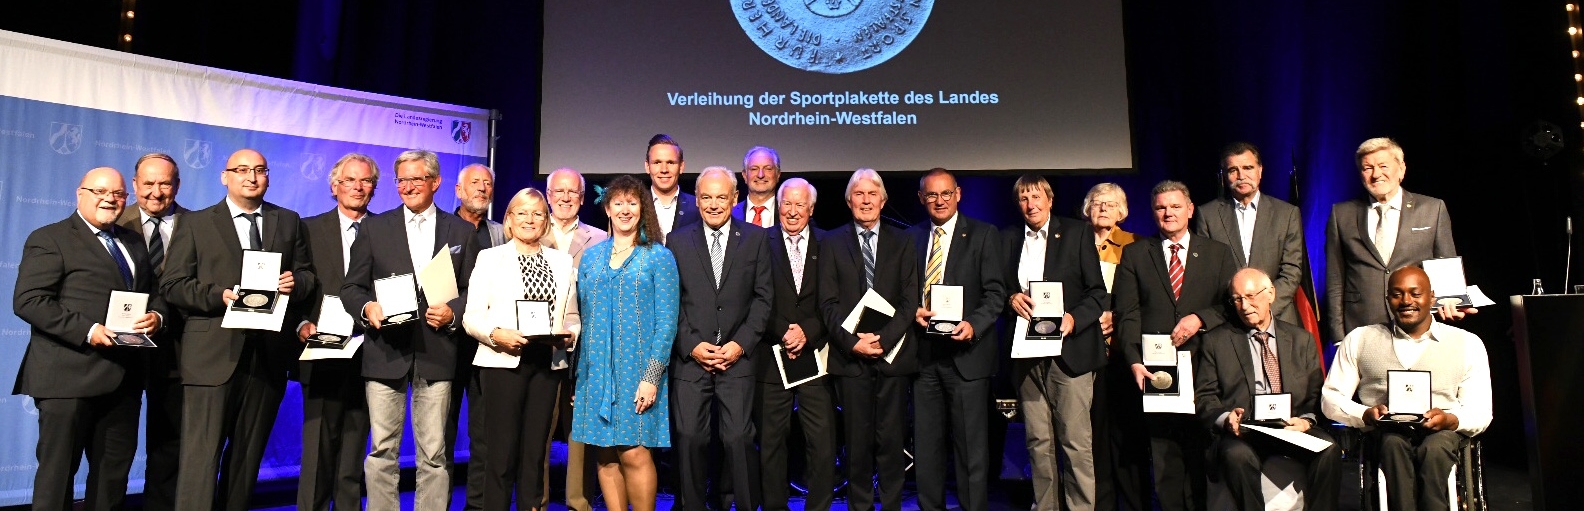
[565, 188]
[1366, 240]
[724, 269]
[1264, 232]
[155, 184]
[475, 189]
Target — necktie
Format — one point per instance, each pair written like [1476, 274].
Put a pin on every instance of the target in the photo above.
[120, 260]
[758, 218]
[156, 245]
[1268, 358]
[254, 238]
[936, 267]
[417, 249]
[869, 258]
[717, 256]
[1175, 271]
[797, 261]
[1385, 241]
[356, 228]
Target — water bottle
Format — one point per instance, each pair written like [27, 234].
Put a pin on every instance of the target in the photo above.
[1537, 289]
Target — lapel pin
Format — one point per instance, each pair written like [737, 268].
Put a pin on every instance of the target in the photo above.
[1058, 235]
[1196, 254]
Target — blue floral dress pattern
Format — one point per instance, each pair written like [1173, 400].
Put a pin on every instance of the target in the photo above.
[629, 321]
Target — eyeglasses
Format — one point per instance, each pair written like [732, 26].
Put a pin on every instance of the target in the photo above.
[525, 215]
[368, 182]
[946, 196]
[103, 193]
[565, 193]
[1106, 205]
[1241, 299]
[260, 171]
[411, 181]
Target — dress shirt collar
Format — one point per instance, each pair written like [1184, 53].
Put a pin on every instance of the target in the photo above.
[346, 221]
[1044, 229]
[1436, 333]
[1252, 203]
[1396, 202]
[709, 232]
[564, 229]
[237, 210]
[91, 228]
[663, 199]
[1166, 243]
[428, 214]
[170, 214]
[950, 226]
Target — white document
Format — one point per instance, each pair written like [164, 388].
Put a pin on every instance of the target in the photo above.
[1478, 297]
[343, 352]
[1158, 350]
[1272, 407]
[1183, 402]
[820, 359]
[1304, 440]
[260, 270]
[872, 300]
[1446, 276]
[271, 321]
[126, 308]
[533, 317]
[891, 357]
[1108, 273]
[438, 278]
[333, 318]
[489, 357]
[396, 295]
[1047, 298]
[1024, 348]
[946, 302]
[1408, 391]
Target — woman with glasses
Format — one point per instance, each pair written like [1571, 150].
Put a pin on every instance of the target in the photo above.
[1121, 469]
[629, 295]
[522, 308]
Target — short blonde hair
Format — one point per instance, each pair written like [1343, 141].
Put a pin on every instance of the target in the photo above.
[1376, 145]
[865, 174]
[524, 197]
[1032, 182]
[1102, 189]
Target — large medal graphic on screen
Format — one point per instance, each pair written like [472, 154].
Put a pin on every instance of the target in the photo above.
[832, 36]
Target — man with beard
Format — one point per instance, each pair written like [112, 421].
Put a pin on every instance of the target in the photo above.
[475, 189]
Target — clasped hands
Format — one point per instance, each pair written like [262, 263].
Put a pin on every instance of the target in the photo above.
[793, 341]
[717, 359]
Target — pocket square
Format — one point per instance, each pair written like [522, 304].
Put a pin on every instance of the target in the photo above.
[1417, 229]
[456, 250]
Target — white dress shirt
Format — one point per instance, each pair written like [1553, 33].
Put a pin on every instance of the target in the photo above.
[242, 225]
[1031, 265]
[420, 241]
[1245, 220]
[563, 236]
[767, 218]
[1473, 409]
[665, 209]
[1182, 254]
[167, 226]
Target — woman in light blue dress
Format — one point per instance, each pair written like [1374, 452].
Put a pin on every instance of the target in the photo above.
[627, 288]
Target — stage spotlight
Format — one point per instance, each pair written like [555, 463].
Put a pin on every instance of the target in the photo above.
[129, 14]
[128, 38]
[1572, 30]
[1571, 7]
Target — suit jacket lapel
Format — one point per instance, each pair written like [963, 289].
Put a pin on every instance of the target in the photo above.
[1364, 230]
[272, 222]
[223, 222]
[958, 250]
[701, 246]
[1229, 222]
[1245, 359]
[810, 260]
[1406, 220]
[1286, 354]
[442, 235]
[734, 242]
[1053, 243]
[1161, 269]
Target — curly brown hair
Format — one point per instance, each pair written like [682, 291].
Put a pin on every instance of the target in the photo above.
[648, 223]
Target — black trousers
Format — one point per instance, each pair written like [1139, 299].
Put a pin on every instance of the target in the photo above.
[335, 435]
[105, 428]
[162, 431]
[731, 401]
[817, 413]
[1121, 441]
[467, 381]
[1417, 463]
[943, 401]
[224, 430]
[1178, 444]
[875, 411]
[1241, 459]
[523, 401]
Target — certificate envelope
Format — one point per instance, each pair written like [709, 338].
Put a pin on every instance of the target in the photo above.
[1408, 392]
[533, 317]
[1022, 347]
[396, 295]
[260, 270]
[1158, 350]
[271, 321]
[1047, 298]
[438, 278]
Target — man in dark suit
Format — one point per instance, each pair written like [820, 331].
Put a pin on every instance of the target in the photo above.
[566, 189]
[762, 173]
[1259, 354]
[1264, 232]
[418, 354]
[155, 184]
[335, 414]
[724, 268]
[1056, 394]
[953, 385]
[797, 326]
[233, 379]
[86, 388]
[475, 190]
[663, 162]
[1176, 284]
[873, 369]
[1368, 239]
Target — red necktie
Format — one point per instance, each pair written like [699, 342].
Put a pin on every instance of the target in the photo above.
[1176, 272]
[758, 215]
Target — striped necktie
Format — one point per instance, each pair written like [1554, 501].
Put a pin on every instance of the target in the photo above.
[935, 269]
[1175, 270]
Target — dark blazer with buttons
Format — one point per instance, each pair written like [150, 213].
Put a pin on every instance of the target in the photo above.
[324, 237]
[392, 352]
[1224, 371]
[63, 288]
[163, 359]
[975, 263]
[203, 259]
[686, 211]
[790, 305]
[1277, 248]
[896, 278]
[739, 309]
[1143, 294]
[1355, 274]
[1073, 261]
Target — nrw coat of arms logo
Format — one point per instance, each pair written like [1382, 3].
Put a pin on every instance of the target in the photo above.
[196, 153]
[461, 131]
[65, 138]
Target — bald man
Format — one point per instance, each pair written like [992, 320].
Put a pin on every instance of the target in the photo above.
[1416, 458]
[87, 389]
[1260, 355]
[233, 379]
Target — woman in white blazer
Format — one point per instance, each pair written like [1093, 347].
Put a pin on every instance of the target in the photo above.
[519, 389]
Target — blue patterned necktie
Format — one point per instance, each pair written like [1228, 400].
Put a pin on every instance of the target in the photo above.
[120, 260]
[869, 258]
[156, 244]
